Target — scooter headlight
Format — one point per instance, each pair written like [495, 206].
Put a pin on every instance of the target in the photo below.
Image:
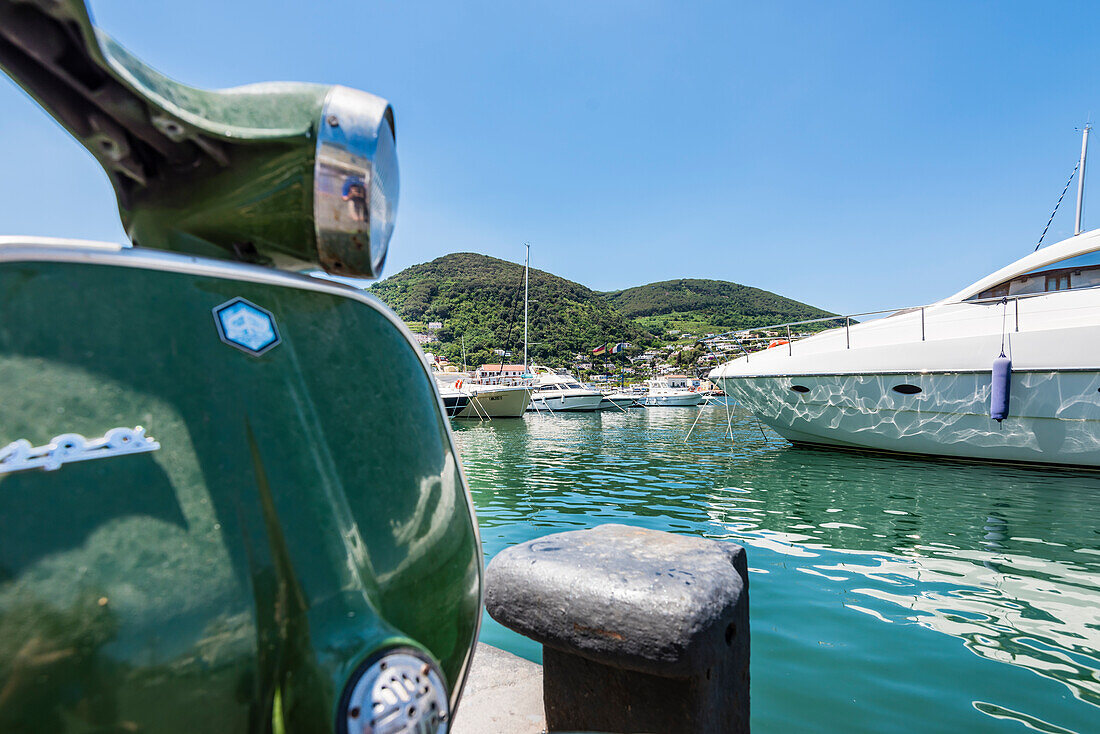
[397, 692]
[355, 183]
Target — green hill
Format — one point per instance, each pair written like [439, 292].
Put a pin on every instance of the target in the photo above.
[479, 299]
[695, 305]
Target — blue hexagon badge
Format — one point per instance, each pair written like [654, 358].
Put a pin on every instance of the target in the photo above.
[246, 326]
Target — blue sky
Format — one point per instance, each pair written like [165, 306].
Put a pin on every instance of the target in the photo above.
[853, 155]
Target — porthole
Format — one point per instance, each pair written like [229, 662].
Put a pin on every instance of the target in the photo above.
[907, 389]
[800, 388]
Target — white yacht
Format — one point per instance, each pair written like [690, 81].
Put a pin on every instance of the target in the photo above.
[920, 380]
[486, 400]
[556, 393]
[671, 391]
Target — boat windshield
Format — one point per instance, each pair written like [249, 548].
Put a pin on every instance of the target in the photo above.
[1079, 271]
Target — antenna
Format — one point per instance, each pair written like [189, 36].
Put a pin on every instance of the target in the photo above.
[526, 272]
[1081, 176]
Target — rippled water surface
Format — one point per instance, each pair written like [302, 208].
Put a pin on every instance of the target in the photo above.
[887, 594]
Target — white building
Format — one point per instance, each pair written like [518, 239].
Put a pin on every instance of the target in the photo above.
[683, 381]
[498, 374]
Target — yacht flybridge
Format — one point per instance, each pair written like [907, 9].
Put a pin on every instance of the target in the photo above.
[922, 380]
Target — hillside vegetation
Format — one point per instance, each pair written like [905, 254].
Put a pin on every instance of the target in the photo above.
[477, 298]
[695, 304]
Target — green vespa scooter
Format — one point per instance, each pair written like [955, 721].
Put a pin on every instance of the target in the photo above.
[229, 497]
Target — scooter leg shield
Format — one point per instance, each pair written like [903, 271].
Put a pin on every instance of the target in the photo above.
[282, 502]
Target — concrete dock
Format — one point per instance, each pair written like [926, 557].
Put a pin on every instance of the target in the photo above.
[503, 695]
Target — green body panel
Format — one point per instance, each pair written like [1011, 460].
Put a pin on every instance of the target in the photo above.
[254, 112]
[304, 510]
[258, 210]
[261, 199]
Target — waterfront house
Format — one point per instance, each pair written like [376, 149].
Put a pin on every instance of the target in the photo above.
[682, 381]
[498, 374]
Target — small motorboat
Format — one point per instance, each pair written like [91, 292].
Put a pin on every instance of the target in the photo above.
[555, 393]
[664, 393]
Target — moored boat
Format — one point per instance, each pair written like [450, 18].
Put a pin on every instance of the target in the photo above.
[488, 398]
[671, 391]
[556, 393]
[922, 380]
[496, 401]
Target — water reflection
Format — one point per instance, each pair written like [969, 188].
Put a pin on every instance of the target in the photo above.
[904, 583]
[950, 414]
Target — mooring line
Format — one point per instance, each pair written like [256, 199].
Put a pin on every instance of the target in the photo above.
[697, 417]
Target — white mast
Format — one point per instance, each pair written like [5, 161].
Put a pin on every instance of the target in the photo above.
[1081, 177]
[526, 269]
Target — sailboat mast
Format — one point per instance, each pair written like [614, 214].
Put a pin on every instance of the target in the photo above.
[1081, 177]
[526, 271]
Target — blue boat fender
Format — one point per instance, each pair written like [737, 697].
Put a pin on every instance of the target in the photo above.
[1001, 382]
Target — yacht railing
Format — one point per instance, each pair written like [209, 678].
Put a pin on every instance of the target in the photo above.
[740, 336]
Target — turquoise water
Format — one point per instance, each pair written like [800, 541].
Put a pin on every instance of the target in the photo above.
[887, 594]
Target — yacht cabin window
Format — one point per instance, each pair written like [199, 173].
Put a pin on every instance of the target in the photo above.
[1079, 271]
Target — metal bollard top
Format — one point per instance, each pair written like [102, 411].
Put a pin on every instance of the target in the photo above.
[641, 599]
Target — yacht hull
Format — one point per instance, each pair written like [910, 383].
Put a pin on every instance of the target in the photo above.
[454, 404]
[567, 403]
[672, 401]
[495, 402]
[611, 402]
[1054, 415]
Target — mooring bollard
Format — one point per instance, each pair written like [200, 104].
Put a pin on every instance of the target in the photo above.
[642, 630]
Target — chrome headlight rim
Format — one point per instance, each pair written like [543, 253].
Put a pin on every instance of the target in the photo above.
[356, 183]
[401, 685]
